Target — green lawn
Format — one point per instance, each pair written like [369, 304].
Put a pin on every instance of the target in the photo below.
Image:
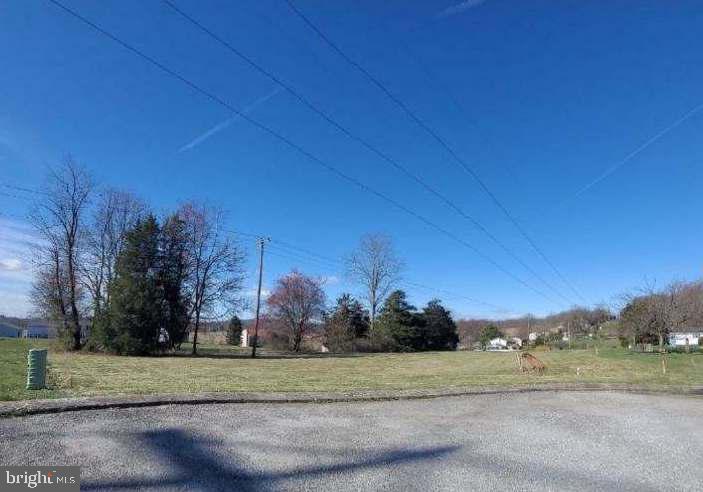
[228, 369]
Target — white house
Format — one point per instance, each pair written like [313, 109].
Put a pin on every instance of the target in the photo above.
[679, 338]
[516, 341]
[244, 338]
[532, 336]
[498, 343]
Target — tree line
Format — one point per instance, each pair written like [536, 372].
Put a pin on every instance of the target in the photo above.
[646, 316]
[117, 277]
[651, 313]
[142, 282]
[296, 314]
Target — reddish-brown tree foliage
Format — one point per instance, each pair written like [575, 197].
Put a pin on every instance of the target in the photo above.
[297, 302]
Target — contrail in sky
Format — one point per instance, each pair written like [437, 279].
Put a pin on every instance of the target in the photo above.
[458, 8]
[224, 124]
[638, 150]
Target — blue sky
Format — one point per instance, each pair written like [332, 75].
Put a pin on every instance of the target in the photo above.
[541, 98]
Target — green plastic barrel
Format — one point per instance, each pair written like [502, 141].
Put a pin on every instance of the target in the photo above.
[36, 369]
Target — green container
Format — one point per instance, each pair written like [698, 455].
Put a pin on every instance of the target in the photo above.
[36, 369]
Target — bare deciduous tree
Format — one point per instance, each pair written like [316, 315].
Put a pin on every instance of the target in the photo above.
[48, 288]
[215, 265]
[375, 266]
[115, 213]
[655, 312]
[669, 312]
[297, 301]
[59, 219]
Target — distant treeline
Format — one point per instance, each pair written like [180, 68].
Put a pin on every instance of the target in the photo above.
[645, 316]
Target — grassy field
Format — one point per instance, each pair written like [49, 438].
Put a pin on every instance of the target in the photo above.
[222, 369]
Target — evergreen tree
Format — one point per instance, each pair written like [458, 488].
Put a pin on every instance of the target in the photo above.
[488, 333]
[234, 331]
[172, 277]
[439, 331]
[346, 322]
[135, 315]
[399, 326]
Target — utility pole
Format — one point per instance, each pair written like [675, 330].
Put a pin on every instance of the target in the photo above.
[261, 242]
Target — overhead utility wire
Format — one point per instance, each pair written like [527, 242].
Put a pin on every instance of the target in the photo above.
[296, 147]
[439, 140]
[306, 102]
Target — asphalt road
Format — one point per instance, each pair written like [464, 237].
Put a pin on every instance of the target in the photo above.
[536, 441]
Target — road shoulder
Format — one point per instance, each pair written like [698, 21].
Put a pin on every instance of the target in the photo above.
[35, 407]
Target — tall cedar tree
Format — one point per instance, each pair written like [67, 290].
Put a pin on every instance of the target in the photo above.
[439, 332]
[399, 326]
[173, 275]
[346, 322]
[135, 314]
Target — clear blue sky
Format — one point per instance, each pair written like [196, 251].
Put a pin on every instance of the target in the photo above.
[550, 96]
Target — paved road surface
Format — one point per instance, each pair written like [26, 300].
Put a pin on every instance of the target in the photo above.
[537, 441]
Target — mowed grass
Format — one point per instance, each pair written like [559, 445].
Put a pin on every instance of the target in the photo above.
[226, 369]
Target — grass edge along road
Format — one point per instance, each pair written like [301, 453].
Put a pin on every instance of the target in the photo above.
[227, 369]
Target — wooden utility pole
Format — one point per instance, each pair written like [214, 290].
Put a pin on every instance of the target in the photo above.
[261, 242]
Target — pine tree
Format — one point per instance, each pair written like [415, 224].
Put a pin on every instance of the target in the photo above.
[135, 318]
[172, 277]
[439, 330]
[345, 323]
[399, 326]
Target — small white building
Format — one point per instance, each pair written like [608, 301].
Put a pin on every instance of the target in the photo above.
[498, 343]
[683, 338]
[244, 338]
[516, 341]
[533, 336]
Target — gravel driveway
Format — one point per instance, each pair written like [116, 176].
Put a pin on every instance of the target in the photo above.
[534, 441]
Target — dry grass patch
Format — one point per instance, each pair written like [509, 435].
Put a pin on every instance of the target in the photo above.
[81, 374]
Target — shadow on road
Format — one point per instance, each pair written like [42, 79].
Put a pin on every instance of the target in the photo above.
[195, 465]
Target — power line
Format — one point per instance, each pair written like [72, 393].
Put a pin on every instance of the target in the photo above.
[340, 264]
[460, 296]
[327, 261]
[297, 147]
[348, 133]
[298, 258]
[308, 252]
[287, 250]
[439, 140]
